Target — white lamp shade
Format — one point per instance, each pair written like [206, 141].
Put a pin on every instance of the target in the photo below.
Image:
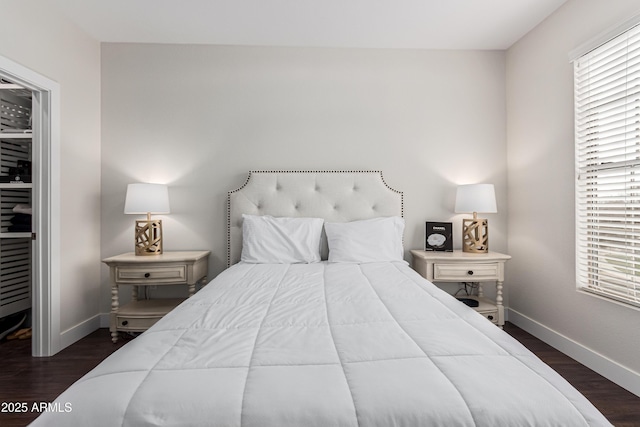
[147, 198]
[476, 198]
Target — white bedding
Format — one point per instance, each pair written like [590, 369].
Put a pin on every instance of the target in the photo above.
[323, 345]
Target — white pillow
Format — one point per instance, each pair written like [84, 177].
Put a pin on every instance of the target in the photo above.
[369, 240]
[270, 240]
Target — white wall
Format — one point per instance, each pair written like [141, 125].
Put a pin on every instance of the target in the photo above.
[37, 37]
[541, 275]
[199, 117]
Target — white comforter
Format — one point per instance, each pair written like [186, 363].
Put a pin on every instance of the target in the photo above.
[323, 345]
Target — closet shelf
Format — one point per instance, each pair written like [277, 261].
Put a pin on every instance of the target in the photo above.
[16, 149]
[5, 185]
[15, 135]
[10, 86]
[15, 235]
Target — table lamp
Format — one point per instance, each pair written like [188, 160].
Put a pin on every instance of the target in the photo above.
[475, 198]
[146, 199]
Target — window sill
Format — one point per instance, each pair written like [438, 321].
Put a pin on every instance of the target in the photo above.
[595, 294]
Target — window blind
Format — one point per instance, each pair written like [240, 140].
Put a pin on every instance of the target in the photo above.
[607, 107]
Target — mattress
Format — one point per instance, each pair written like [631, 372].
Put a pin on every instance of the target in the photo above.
[323, 344]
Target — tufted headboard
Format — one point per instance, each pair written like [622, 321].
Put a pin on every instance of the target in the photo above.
[335, 196]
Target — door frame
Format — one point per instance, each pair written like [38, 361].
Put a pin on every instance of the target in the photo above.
[45, 287]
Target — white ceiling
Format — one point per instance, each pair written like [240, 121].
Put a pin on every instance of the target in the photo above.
[413, 24]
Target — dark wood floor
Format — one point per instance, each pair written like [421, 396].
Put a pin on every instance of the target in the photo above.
[26, 379]
[621, 407]
[41, 379]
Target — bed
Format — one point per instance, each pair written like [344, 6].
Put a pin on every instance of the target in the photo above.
[337, 330]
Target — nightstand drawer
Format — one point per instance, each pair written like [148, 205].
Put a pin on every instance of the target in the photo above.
[490, 315]
[466, 272]
[141, 315]
[173, 274]
[136, 324]
[486, 308]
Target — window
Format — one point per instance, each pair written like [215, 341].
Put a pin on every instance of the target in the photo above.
[607, 106]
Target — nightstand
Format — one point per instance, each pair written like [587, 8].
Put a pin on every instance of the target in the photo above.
[170, 268]
[458, 266]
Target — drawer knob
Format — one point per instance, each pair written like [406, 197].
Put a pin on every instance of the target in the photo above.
[470, 272]
[147, 275]
[490, 317]
[125, 322]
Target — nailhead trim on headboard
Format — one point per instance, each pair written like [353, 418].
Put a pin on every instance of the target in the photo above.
[294, 172]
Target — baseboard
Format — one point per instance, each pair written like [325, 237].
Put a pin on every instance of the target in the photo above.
[606, 367]
[105, 320]
[79, 331]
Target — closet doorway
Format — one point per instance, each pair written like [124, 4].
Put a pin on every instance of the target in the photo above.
[44, 194]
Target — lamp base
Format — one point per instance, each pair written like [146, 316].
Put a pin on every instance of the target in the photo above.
[148, 235]
[475, 235]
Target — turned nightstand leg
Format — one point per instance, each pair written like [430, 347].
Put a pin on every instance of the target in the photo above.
[499, 303]
[192, 288]
[114, 311]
